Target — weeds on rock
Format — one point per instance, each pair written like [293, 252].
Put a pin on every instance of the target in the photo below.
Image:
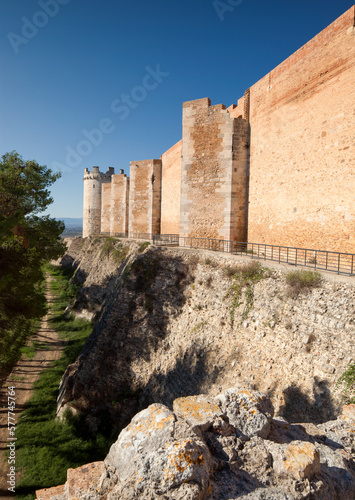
[115, 249]
[244, 278]
[347, 381]
[301, 281]
[143, 246]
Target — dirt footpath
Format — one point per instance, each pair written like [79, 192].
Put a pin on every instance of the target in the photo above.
[22, 378]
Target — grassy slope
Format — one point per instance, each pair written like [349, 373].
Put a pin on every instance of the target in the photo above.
[46, 448]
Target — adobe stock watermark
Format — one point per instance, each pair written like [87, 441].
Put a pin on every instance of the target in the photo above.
[223, 6]
[31, 27]
[122, 107]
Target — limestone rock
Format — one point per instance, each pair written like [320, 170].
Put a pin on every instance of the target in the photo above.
[250, 412]
[349, 413]
[197, 410]
[150, 429]
[83, 481]
[299, 460]
[56, 493]
[148, 453]
[193, 453]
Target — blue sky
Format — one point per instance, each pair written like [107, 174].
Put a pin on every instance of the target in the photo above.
[102, 82]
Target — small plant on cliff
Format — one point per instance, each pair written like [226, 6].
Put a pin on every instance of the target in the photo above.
[244, 278]
[300, 281]
[115, 249]
[143, 246]
[108, 247]
[347, 382]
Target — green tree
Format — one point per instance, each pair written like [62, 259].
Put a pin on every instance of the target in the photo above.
[27, 240]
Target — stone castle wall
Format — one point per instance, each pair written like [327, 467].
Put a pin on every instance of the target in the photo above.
[277, 167]
[145, 197]
[106, 207]
[119, 203]
[214, 172]
[302, 122]
[170, 190]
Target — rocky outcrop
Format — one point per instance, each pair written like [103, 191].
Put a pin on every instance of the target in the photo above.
[163, 330]
[223, 448]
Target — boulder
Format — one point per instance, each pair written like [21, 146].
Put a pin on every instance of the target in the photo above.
[157, 454]
[219, 448]
[250, 412]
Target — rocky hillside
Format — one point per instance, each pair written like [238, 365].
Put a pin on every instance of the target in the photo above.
[176, 322]
[223, 448]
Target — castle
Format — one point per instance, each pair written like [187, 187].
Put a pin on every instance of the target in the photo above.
[277, 167]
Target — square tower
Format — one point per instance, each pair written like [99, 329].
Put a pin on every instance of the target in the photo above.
[145, 197]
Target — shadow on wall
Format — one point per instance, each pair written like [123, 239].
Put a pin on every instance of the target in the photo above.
[189, 376]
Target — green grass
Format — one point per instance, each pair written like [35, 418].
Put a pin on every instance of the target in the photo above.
[29, 351]
[46, 447]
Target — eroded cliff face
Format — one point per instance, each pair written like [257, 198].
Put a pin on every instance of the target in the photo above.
[163, 330]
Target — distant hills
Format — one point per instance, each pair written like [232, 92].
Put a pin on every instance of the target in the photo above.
[73, 226]
[71, 221]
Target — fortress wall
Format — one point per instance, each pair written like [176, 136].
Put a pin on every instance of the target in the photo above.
[119, 204]
[170, 190]
[105, 208]
[209, 172]
[240, 180]
[302, 124]
[237, 111]
[145, 197]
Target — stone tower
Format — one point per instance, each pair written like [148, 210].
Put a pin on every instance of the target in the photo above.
[93, 182]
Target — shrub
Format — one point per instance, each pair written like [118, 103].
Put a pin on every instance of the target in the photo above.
[301, 280]
[347, 381]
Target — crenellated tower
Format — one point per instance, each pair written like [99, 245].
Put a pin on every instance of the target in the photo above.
[93, 182]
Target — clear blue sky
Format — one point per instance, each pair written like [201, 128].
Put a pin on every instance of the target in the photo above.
[65, 72]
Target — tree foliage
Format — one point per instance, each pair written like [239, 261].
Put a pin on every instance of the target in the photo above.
[26, 241]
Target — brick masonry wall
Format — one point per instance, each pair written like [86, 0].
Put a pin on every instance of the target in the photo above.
[302, 179]
[145, 197]
[214, 172]
[170, 190]
[119, 204]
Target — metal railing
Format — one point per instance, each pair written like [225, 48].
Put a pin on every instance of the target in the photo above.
[322, 260]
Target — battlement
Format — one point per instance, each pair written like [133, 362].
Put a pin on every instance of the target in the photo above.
[96, 174]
